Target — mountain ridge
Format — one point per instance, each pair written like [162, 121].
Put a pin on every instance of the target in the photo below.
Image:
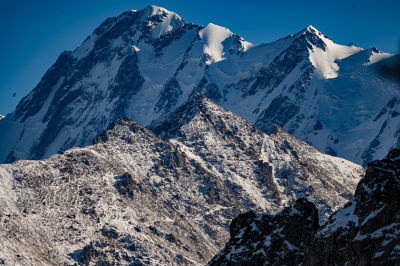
[134, 197]
[143, 64]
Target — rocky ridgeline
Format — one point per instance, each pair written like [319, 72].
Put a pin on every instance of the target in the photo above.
[366, 231]
[136, 197]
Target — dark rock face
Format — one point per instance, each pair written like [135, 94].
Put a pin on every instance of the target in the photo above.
[29, 106]
[128, 81]
[279, 112]
[366, 231]
[169, 96]
[279, 239]
[282, 65]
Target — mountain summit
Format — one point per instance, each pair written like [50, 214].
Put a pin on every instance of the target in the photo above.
[145, 64]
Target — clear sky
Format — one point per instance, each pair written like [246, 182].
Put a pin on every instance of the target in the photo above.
[34, 32]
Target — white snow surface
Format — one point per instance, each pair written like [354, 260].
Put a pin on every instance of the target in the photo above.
[325, 61]
[213, 36]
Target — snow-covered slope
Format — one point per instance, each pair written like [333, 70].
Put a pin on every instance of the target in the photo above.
[288, 167]
[366, 231]
[144, 64]
[134, 197]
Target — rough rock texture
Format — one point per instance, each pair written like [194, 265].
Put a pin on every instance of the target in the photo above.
[285, 167]
[278, 240]
[366, 231]
[144, 64]
[135, 198]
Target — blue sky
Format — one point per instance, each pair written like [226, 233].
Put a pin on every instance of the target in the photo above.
[34, 33]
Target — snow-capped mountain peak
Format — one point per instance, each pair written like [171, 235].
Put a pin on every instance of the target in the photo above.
[376, 56]
[324, 52]
[160, 20]
[213, 36]
[152, 10]
[145, 64]
[311, 29]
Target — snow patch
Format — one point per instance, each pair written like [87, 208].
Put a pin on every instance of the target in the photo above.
[325, 61]
[376, 57]
[213, 36]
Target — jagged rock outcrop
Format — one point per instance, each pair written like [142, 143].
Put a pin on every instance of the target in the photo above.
[278, 240]
[144, 64]
[366, 231]
[134, 197]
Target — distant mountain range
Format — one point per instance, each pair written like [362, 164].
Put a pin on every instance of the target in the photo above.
[145, 64]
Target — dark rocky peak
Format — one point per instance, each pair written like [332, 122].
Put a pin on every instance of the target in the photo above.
[197, 106]
[375, 50]
[379, 191]
[279, 239]
[310, 36]
[123, 128]
[234, 44]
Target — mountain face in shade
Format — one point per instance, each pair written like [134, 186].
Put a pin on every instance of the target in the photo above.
[366, 231]
[164, 196]
[145, 64]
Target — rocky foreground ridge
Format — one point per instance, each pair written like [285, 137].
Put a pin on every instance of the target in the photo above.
[160, 196]
[366, 231]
